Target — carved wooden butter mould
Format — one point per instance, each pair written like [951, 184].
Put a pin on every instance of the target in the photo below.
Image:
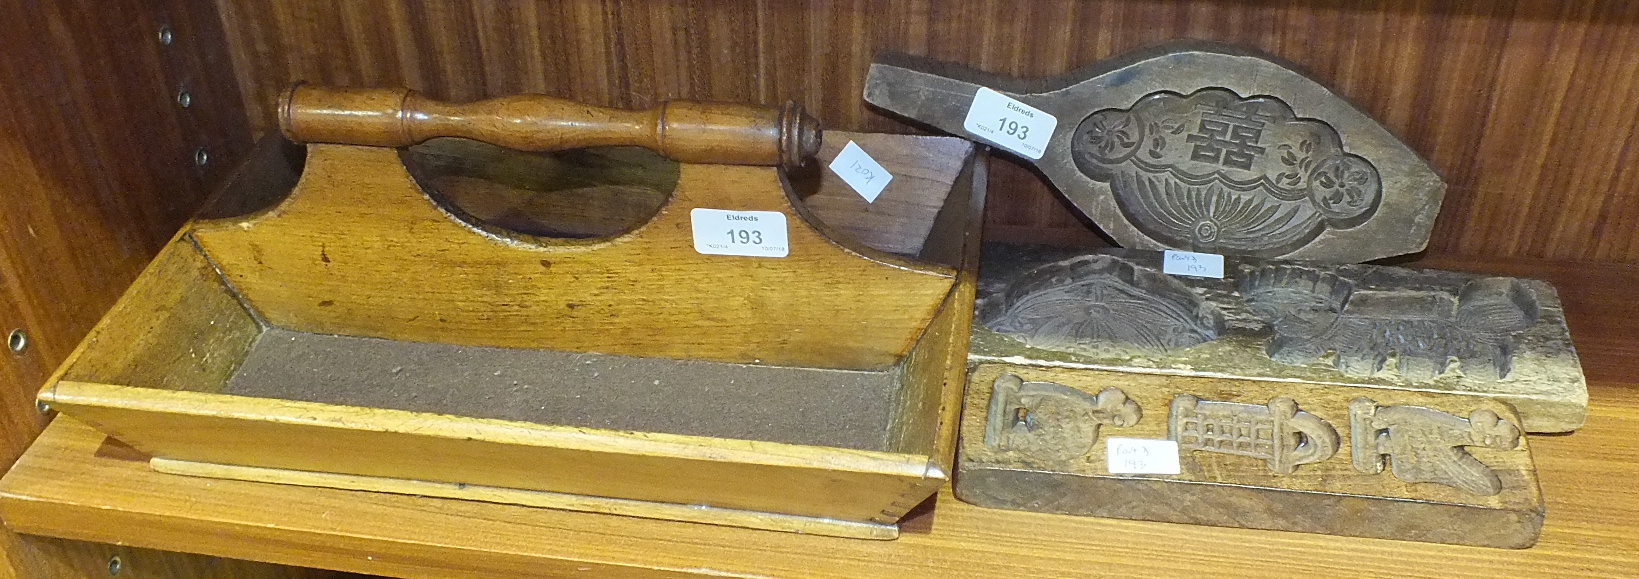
[1259, 454]
[1320, 325]
[357, 328]
[1201, 146]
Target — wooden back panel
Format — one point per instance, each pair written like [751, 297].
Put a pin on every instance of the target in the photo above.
[358, 248]
[1524, 104]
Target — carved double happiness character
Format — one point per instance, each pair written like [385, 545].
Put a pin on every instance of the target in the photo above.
[1199, 146]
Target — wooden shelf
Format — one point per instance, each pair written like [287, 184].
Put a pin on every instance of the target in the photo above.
[74, 483]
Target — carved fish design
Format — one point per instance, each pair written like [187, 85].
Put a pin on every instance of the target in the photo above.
[1427, 445]
[1314, 312]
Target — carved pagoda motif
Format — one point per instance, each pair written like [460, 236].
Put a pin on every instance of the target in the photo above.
[1278, 432]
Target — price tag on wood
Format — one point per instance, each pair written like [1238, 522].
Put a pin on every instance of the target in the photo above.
[1010, 124]
[1141, 456]
[1192, 264]
[860, 171]
[748, 233]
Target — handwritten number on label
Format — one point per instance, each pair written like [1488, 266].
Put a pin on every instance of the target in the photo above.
[864, 172]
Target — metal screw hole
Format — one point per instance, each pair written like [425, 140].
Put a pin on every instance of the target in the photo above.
[184, 98]
[200, 157]
[165, 34]
[18, 341]
[114, 565]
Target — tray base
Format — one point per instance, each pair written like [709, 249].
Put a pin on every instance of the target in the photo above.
[542, 499]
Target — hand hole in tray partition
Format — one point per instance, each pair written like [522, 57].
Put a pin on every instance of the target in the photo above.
[590, 193]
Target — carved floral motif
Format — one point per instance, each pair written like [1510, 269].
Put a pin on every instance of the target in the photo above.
[1216, 172]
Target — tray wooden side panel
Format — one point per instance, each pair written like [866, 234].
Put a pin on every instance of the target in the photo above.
[359, 249]
[733, 474]
[178, 327]
[1329, 496]
[930, 402]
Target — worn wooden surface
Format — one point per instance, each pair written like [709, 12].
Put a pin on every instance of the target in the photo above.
[76, 484]
[153, 371]
[314, 265]
[999, 466]
[1525, 105]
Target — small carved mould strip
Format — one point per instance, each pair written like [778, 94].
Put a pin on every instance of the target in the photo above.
[1427, 445]
[1102, 301]
[1278, 432]
[1050, 421]
[1315, 312]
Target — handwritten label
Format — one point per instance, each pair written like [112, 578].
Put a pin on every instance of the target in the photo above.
[1010, 124]
[1141, 456]
[748, 233]
[1192, 264]
[861, 172]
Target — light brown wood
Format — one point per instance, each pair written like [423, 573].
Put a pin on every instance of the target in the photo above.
[1330, 495]
[314, 264]
[64, 559]
[153, 372]
[689, 132]
[903, 215]
[75, 484]
[1525, 105]
[807, 481]
[593, 504]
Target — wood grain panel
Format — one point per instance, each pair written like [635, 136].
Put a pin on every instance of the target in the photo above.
[63, 559]
[98, 162]
[1528, 106]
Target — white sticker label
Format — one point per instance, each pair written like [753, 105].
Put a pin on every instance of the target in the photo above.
[1010, 124]
[1141, 456]
[749, 233]
[1192, 264]
[861, 172]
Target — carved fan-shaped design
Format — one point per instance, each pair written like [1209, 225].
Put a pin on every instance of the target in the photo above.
[1210, 218]
[1098, 303]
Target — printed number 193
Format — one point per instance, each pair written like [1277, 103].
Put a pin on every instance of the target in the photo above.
[1013, 128]
[745, 236]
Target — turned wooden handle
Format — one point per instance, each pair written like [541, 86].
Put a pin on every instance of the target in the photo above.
[685, 131]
